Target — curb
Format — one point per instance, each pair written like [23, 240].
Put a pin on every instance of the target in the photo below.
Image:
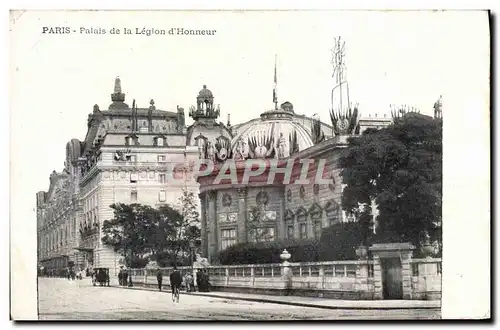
[280, 302]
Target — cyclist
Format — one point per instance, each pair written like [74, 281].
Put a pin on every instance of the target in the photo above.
[175, 283]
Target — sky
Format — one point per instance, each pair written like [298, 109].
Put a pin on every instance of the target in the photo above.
[391, 57]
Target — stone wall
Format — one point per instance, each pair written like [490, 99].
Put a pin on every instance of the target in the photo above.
[332, 279]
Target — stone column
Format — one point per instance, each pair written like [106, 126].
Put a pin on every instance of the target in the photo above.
[287, 275]
[296, 229]
[377, 278]
[242, 214]
[361, 284]
[406, 269]
[212, 226]
[204, 238]
[281, 227]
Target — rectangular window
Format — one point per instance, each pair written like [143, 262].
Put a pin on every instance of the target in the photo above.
[317, 230]
[133, 158]
[133, 177]
[303, 231]
[290, 232]
[133, 196]
[333, 217]
[162, 158]
[162, 178]
[159, 142]
[228, 238]
[162, 196]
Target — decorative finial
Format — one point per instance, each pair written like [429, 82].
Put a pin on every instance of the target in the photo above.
[228, 119]
[118, 97]
[152, 102]
[204, 86]
[118, 85]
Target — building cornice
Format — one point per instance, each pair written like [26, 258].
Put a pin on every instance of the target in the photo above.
[147, 149]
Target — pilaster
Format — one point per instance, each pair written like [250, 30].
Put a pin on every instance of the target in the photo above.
[242, 214]
[281, 228]
[204, 212]
[212, 226]
[406, 270]
[377, 278]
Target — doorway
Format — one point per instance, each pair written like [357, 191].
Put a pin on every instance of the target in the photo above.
[392, 278]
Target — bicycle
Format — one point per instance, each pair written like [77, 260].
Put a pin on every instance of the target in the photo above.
[175, 293]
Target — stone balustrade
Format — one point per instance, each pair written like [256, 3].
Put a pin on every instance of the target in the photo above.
[356, 279]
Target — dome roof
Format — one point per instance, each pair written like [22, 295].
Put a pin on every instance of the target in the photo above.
[274, 127]
[205, 93]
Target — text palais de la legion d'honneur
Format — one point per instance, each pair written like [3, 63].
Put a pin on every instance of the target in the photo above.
[150, 31]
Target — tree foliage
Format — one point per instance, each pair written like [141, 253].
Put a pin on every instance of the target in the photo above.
[129, 231]
[165, 234]
[400, 169]
[269, 252]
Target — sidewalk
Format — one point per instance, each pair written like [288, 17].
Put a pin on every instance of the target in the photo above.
[312, 302]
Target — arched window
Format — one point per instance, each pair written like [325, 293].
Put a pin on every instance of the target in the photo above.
[332, 210]
[316, 216]
[302, 222]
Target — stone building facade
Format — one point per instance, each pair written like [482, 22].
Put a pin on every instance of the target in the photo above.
[129, 155]
[260, 209]
[133, 154]
[57, 223]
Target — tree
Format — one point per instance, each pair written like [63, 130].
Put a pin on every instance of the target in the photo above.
[178, 229]
[129, 231]
[164, 236]
[400, 169]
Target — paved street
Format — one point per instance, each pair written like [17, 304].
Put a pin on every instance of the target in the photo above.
[60, 299]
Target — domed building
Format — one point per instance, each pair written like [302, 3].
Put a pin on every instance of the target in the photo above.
[206, 128]
[278, 180]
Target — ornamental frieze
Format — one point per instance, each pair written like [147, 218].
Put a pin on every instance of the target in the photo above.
[227, 217]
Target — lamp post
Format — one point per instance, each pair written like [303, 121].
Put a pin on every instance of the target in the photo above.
[191, 247]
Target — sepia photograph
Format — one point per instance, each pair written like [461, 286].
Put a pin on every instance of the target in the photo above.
[241, 165]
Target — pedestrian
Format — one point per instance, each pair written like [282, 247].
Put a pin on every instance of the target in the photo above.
[125, 277]
[206, 279]
[199, 280]
[188, 279]
[120, 277]
[159, 278]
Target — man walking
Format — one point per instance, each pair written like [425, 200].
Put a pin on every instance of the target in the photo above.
[159, 277]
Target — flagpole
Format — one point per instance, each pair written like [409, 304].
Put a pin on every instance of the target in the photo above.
[275, 91]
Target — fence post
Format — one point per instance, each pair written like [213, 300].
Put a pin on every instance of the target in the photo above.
[287, 273]
[252, 275]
